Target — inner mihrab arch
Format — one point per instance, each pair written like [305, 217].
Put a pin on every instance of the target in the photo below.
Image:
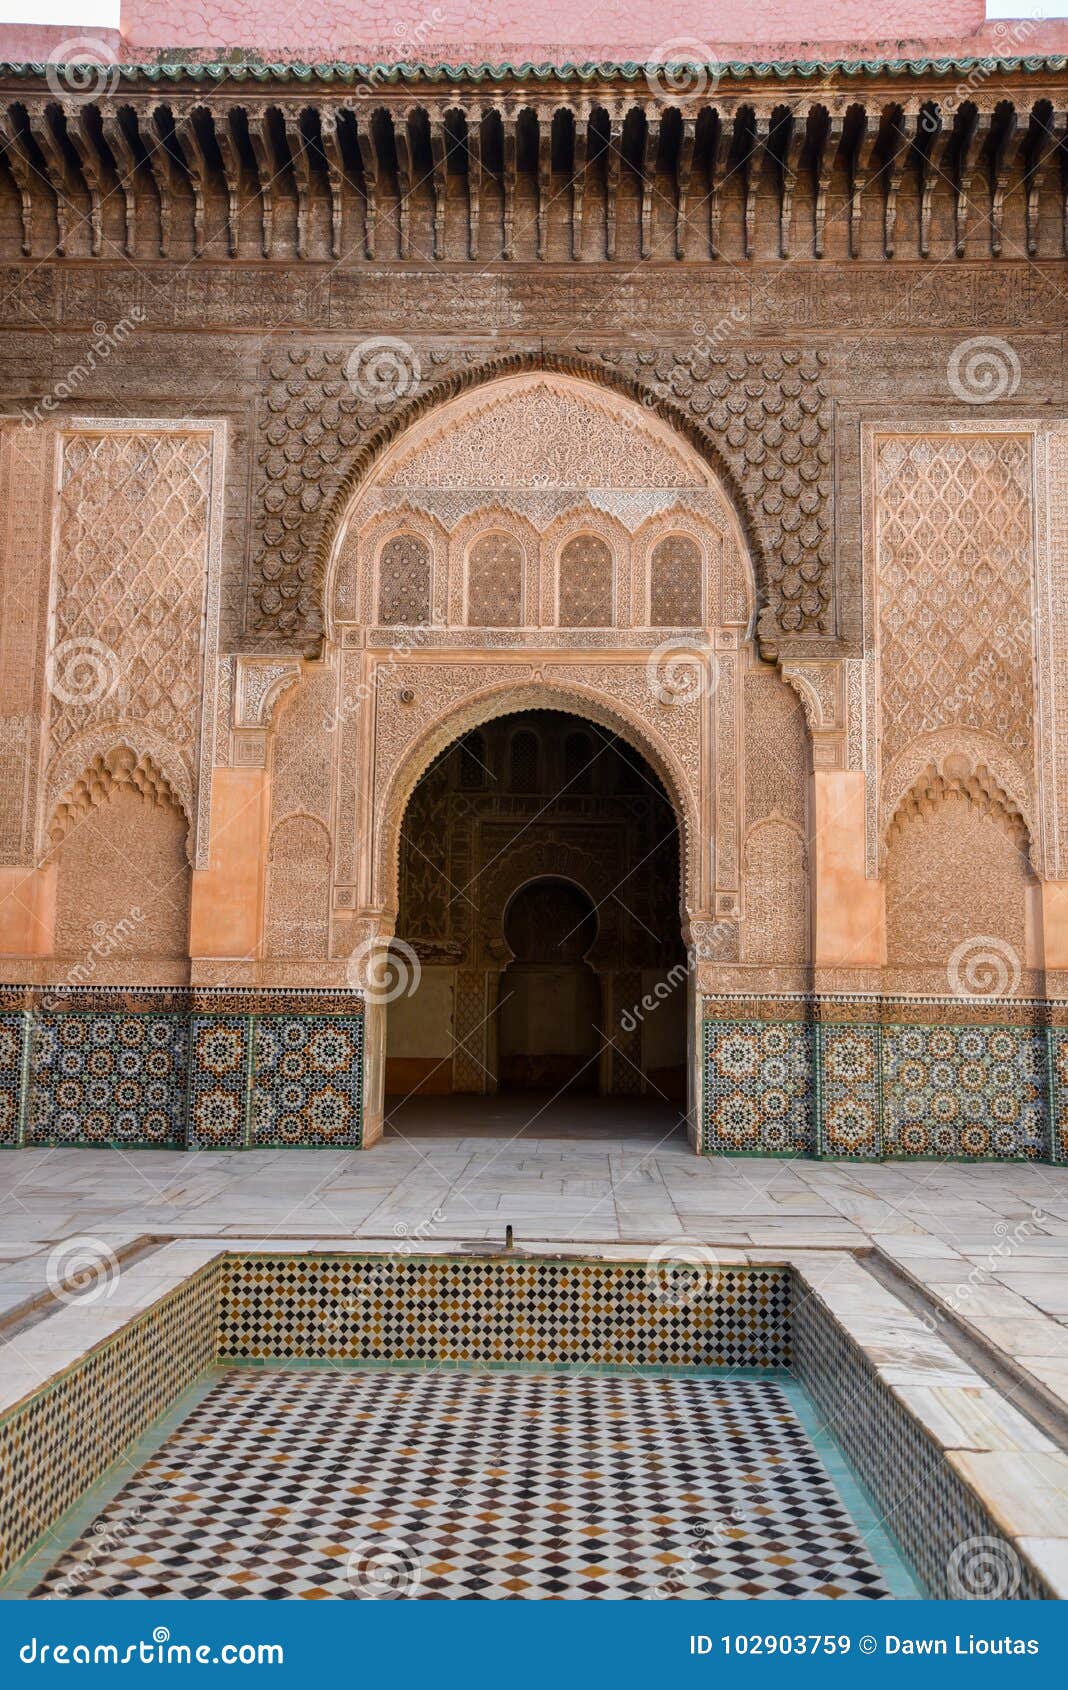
[543, 544]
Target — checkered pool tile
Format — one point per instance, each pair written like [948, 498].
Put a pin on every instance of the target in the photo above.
[390, 1483]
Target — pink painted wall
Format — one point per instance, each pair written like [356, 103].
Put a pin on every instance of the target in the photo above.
[545, 30]
[539, 29]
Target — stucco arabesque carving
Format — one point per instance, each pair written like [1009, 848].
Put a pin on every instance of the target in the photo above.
[259, 684]
[823, 691]
[93, 748]
[762, 421]
[957, 759]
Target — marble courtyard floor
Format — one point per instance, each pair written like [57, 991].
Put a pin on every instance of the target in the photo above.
[986, 1243]
[979, 1253]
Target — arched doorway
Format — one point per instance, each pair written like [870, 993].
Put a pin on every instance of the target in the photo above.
[549, 1011]
[539, 894]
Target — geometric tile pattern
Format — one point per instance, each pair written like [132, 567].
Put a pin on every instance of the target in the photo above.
[424, 1485]
[926, 1507]
[759, 1096]
[850, 1101]
[218, 1081]
[107, 1078]
[965, 1092]
[441, 1309]
[59, 1442]
[1059, 1064]
[307, 1079]
[937, 1089]
[156, 1067]
[13, 1032]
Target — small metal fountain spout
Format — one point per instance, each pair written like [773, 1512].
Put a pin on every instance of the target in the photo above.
[509, 1237]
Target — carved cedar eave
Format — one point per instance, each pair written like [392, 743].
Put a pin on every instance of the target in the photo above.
[317, 146]
[498, 369]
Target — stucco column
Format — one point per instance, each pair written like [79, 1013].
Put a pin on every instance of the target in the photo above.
[1054, 896]
[369, 971]
[849, 911]
[226, 907]
[28, 911]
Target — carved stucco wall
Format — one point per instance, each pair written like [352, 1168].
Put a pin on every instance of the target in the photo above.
[957, 889]
[761, 419]
[133, 630]
[560, 484]
[122, 888]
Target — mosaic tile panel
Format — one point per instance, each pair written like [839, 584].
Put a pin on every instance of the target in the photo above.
[218, 1107]
[850, 1092]
[486, 1487]
[759, 1088]
[367, 1308]
[53, 1447]
[968, 1092]
[107, 1078]
[1059, 1063]
[931, 1511]
[307, 1080]
[13, 1032]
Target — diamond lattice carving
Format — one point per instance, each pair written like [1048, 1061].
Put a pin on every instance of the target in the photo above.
[132, 567]
[954, 587]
